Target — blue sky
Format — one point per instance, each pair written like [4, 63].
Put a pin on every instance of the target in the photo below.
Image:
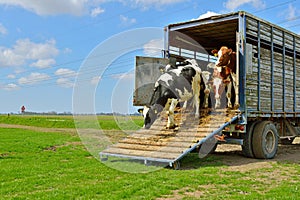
[45, 45]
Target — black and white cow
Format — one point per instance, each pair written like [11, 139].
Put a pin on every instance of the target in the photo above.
[175, 85]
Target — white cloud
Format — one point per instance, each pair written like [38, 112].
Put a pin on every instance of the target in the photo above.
[153, 47]
[11, 76]
[50, 7]
[126, 20]
[124, 76]
[95, 80]
[81, 7]
[233, 4]
[67, 50]
[33, 78]
[3, 30]
[43, 63]
[25, 50]
[65, 82]
[291, 13]
[96, 11]
[145, 4]
[207, 14]
[63, 72]
[10, 87]
[66, 77]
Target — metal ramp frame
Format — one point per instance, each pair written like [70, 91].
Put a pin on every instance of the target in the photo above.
[168, 146]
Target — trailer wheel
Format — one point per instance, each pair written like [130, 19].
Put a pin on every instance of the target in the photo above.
[265, 140]
[247, 140]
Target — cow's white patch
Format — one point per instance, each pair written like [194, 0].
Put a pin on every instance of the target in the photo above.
[219, 57]
[145, 111]
[165, 78]
[184, 95]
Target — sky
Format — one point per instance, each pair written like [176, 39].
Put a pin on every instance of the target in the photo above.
[78, 55]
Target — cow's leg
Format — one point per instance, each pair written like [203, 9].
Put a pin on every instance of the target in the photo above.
[206, 96]
[217, 84]
[184, 105]
[234, 80]
[196, 93]
[168, 104]
[228, 94]
[171, 123]
[218, 102]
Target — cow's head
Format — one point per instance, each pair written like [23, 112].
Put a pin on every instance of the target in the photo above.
[224, 56]
[191, 62]
[150, 115]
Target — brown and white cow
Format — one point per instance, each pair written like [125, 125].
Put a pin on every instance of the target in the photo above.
[226, 65]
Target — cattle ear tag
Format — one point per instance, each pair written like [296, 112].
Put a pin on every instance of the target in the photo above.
[155, 111]
[216, 55]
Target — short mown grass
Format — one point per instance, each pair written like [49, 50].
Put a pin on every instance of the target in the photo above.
[38, 165]
[108, 122]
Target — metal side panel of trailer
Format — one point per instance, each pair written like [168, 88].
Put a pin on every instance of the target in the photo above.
[272, 70]
[268, 59]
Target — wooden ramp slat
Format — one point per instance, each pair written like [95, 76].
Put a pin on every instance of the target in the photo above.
[166, 149]
[158, 143]
[169, 144]
[184, 137]
[142, 154]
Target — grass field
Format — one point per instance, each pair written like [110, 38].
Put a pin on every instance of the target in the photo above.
[55, 165]
[56, 121]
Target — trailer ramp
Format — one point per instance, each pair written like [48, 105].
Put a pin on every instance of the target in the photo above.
[162, 145]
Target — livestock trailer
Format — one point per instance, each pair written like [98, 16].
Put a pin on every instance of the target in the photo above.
[268, 86]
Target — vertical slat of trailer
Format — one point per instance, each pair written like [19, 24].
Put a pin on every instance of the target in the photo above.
[283, 73]
[258, 68]
[272, 69]
[294, 76]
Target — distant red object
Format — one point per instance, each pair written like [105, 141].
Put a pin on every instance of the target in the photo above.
[23, 109]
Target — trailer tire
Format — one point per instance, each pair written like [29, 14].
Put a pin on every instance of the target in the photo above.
[247, 140]
[265, 140]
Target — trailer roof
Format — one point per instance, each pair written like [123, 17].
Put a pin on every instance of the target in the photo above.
[215, 31]
[210, 33]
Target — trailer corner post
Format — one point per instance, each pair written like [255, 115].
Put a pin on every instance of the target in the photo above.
[241, 61]
[294, 76]
[166, 42]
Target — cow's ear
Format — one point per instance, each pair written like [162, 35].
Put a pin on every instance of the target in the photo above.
[229, 51]
[214, 52]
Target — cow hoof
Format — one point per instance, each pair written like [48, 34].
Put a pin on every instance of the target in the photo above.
[236, 106]
[229, 105]
[171, 126]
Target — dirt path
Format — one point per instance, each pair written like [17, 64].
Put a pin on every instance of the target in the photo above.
[41, 129]
[232, 156]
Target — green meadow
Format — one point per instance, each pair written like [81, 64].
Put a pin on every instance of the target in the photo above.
[37, 164]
